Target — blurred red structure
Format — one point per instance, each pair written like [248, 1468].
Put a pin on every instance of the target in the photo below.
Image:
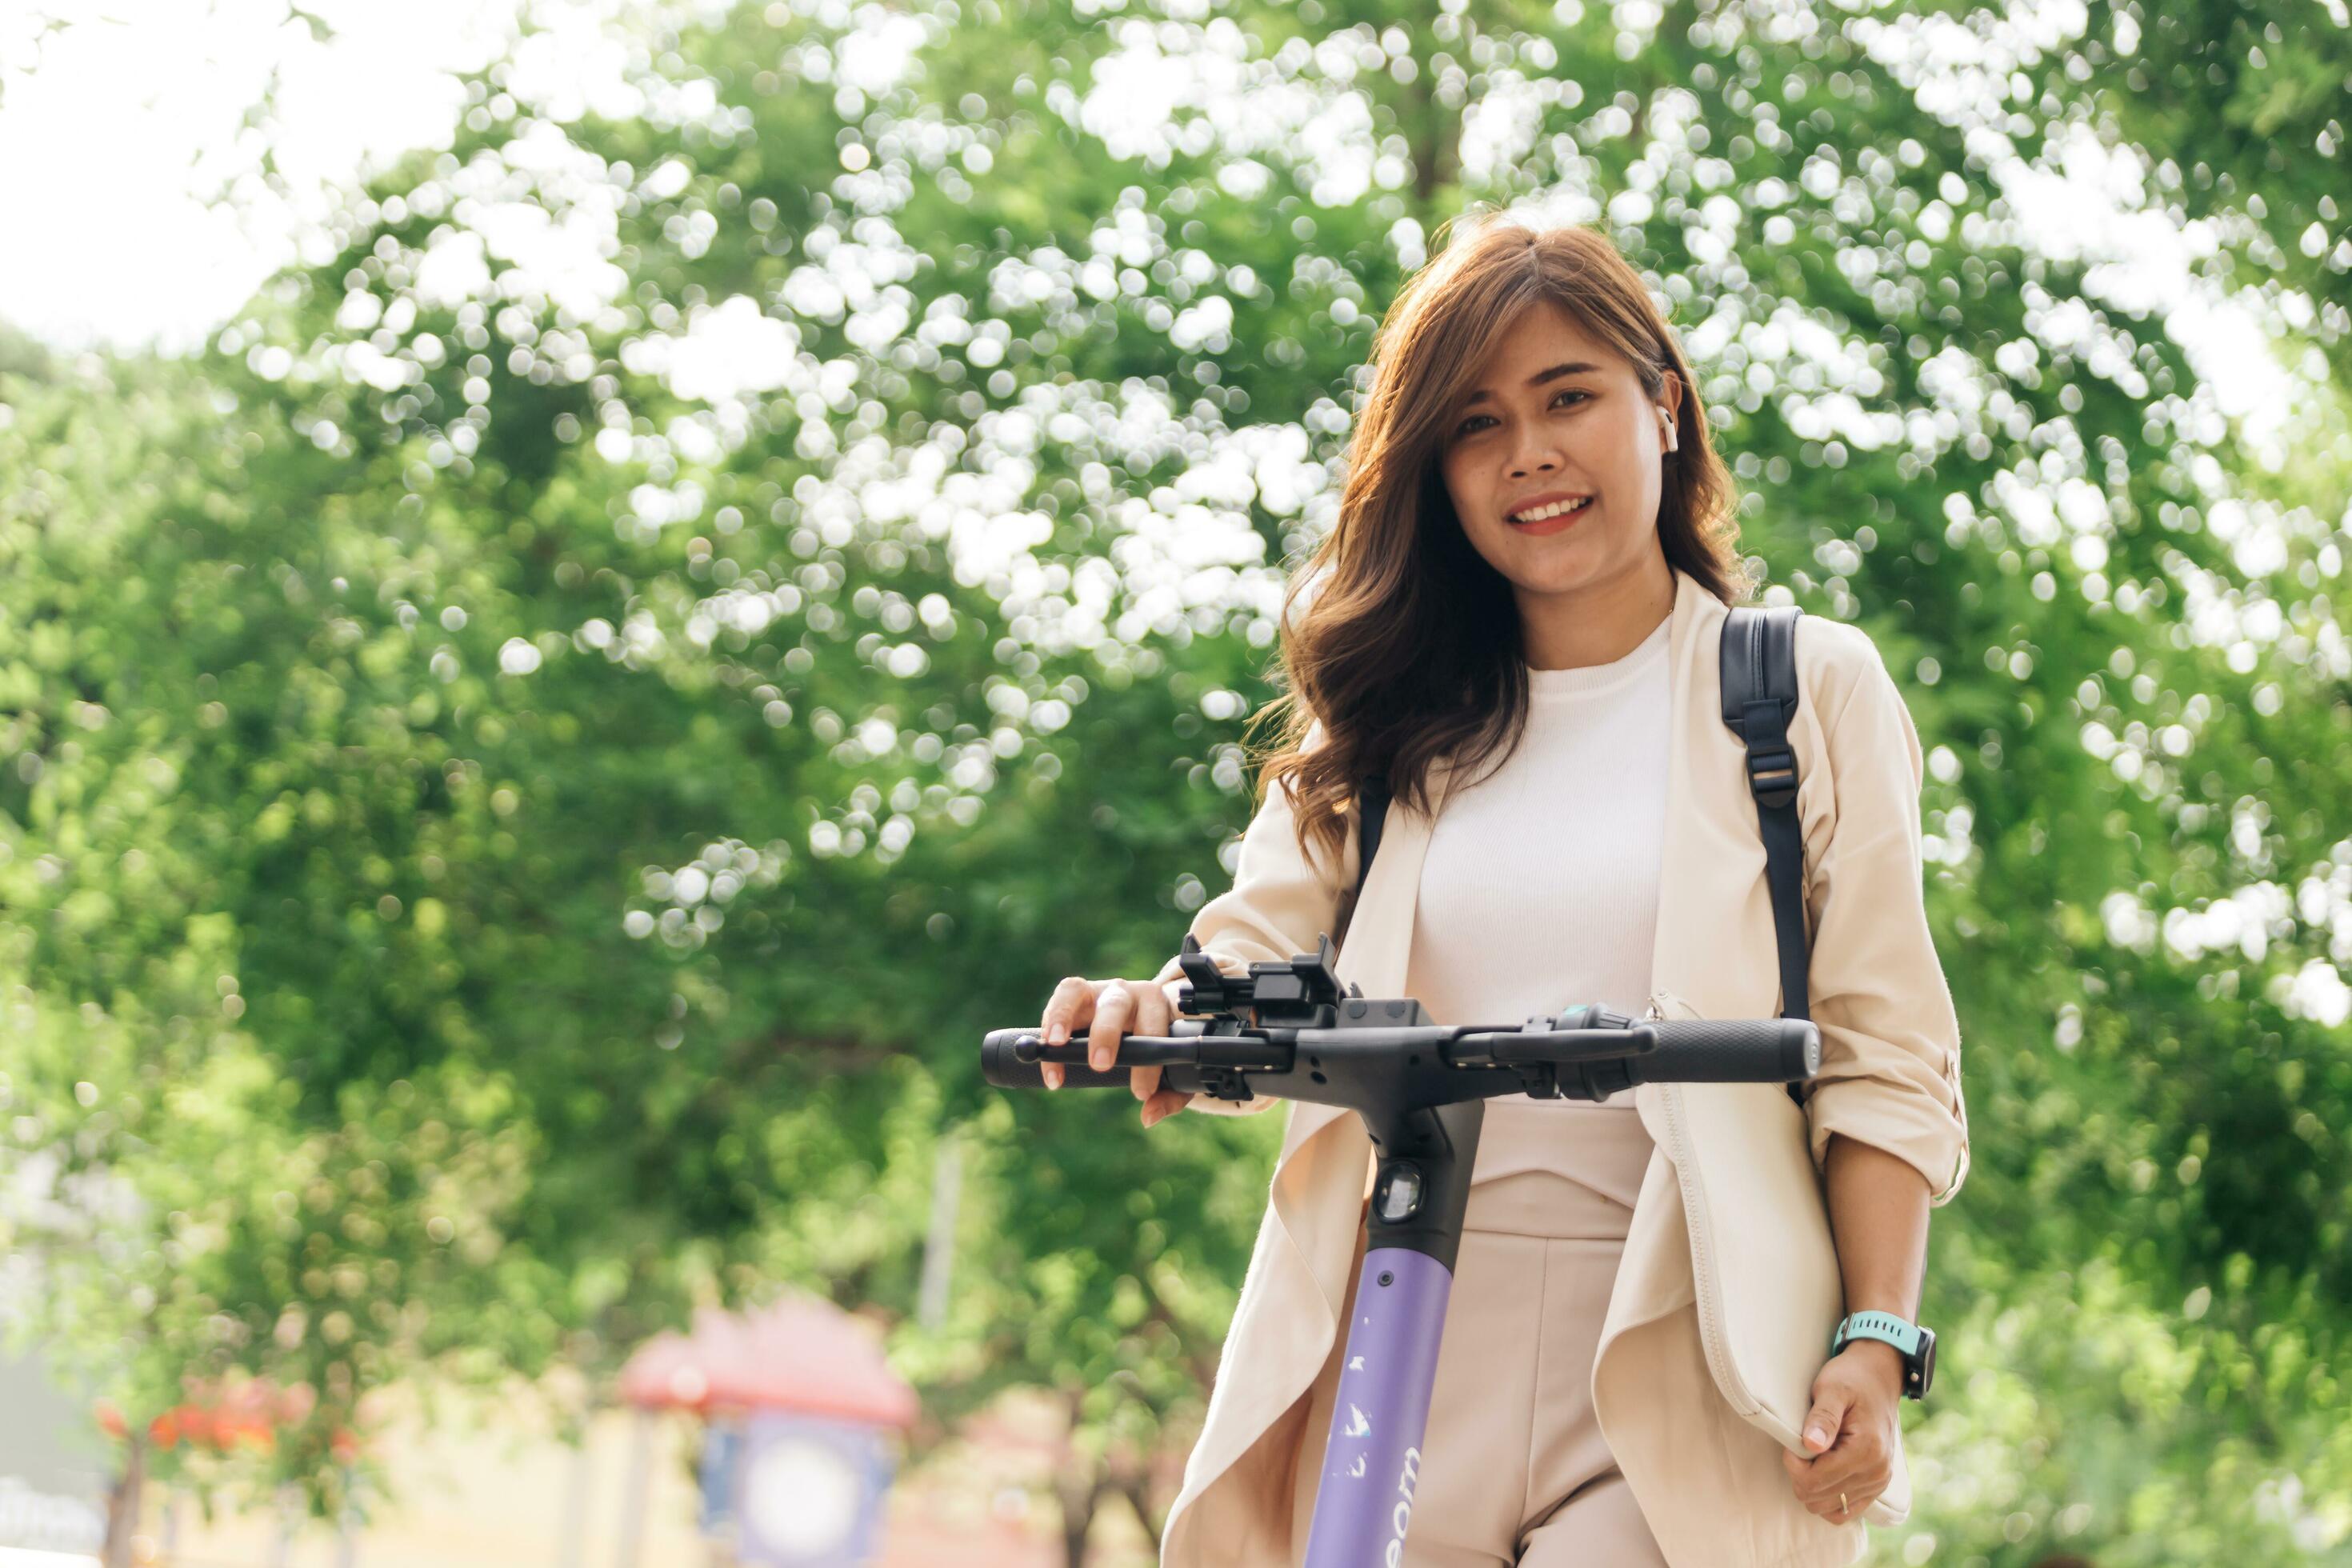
[801, 1354]
[220, 1417]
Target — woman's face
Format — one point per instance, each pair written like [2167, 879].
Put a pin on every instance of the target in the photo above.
[1555, 413]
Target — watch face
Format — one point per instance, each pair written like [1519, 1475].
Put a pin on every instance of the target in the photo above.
[1926, 1361]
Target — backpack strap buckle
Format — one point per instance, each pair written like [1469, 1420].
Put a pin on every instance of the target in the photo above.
[1771, 761]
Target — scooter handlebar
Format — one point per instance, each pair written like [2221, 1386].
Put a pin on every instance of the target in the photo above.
[1730, 1050]
[1695, 1050]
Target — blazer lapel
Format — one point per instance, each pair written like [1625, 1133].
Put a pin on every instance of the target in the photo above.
[1678, 864]
[1712, 859]
[1379, 944]
[1681, 960]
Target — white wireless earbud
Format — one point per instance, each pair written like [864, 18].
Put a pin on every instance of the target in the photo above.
[1666, 421]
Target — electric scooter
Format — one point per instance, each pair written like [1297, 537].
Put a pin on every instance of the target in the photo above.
[1287, 1030]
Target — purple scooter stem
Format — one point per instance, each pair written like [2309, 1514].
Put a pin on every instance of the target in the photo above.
[1371, 1461]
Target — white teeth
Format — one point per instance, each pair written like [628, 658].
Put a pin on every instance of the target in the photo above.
[1553, 509]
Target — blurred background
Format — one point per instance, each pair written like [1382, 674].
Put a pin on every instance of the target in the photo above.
[590, 593]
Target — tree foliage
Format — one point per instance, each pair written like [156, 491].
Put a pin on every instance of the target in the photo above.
[530, 763]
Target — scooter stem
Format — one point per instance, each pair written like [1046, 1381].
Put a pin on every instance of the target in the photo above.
[1396, 1319]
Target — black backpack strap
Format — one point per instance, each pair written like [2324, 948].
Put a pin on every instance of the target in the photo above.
[1759, 701]
[1373, 802]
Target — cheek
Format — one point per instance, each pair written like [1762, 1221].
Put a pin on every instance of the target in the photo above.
[1462, 485]
[1625, 438]
[1633, 471]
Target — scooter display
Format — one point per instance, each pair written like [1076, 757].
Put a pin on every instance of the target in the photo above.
[1288, 1031]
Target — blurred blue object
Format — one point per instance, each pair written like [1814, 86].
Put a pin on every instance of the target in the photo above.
[723, 1456]
[807, 1491]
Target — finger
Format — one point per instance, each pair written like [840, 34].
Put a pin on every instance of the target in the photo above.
[1857, 1498]
[1823, 1500]
[1163, 1105]
[1071, 1004]
[1859, 1486]
[1806, 1473]
[1860, 1492]
[1066, 1008]
[1113, 1006]
[1153, 1015]
[1839, 1463]
[1844, 1471]
[1822, 1422]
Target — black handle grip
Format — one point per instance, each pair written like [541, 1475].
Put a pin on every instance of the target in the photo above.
[1720, 1050]
[1001, 1063]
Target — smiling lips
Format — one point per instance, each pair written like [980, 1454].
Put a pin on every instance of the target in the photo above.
[1548, 516]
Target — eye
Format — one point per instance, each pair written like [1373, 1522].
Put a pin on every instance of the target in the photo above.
[1464, 428]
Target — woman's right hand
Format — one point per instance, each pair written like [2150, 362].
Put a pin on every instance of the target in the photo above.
[1110, 1011]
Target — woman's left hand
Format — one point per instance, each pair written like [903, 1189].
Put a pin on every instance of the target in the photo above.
[1850, 1431]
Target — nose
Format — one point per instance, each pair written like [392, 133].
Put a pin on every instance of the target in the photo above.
[1539, 454]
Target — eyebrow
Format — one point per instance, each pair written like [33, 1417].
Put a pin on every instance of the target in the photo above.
[1577, 367]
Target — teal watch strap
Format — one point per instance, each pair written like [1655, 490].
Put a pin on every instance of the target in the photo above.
[1876, 1325]
[1916, 1343]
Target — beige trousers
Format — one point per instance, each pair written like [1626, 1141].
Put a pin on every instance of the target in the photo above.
[1515, 1471]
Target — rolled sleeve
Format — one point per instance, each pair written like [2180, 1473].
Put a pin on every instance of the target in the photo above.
[1281, 902]
[1890, 1074]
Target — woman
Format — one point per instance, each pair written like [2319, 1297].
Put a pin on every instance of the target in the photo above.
[1518, 615]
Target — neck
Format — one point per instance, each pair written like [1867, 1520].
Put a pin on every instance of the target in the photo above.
[1601, 622]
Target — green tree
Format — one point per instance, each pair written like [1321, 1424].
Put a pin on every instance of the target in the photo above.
[571, 756]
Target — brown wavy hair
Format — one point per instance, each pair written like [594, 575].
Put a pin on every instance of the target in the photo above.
[1408, 648]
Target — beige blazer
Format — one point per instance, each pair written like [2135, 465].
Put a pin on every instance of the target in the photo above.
[1728, 1288]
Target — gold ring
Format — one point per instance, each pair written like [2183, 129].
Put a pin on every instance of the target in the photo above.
[1843, 1506]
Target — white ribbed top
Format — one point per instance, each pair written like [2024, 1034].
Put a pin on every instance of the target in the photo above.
[1540, 885]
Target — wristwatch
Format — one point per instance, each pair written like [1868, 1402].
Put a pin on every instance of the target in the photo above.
[1916, 1344]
